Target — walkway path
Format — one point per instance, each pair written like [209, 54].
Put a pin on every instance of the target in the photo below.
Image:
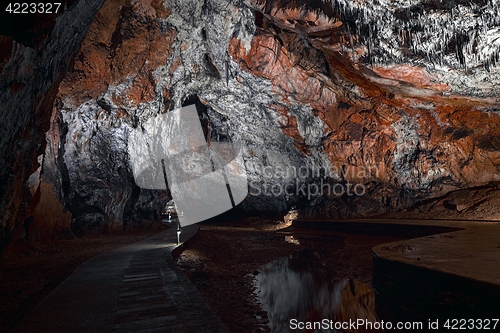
[136, 288]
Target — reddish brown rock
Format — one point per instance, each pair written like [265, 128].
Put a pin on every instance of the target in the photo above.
[123, 44]
[415, 76]
[457, 141]
[267, 58]
[50, 218]
[107, 58]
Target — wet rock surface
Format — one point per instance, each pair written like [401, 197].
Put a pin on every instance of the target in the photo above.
[354, 93]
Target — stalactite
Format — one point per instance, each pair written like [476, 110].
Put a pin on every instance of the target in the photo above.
[426, 32]
[351, 42]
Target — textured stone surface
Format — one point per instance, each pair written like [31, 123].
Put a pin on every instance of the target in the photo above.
[97, 103]
[29, 79]
[398, 98]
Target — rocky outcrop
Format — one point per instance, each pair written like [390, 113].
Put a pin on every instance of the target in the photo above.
[476, 203]
[401, 125]
[344, 109]
[29, 77]
[112, 75]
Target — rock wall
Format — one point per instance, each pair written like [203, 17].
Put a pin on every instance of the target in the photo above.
[146, 58]
[30, 74]
[323, 95]
[417, 109]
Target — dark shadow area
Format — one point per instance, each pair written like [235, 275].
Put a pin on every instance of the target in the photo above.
[375, 229]
[411, 293]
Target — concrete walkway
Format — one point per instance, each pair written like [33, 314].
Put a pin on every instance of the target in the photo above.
[136, 288]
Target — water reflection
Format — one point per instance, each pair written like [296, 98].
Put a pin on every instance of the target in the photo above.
[290, 288]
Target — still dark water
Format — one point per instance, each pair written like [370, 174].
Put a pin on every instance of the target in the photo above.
[291, 288]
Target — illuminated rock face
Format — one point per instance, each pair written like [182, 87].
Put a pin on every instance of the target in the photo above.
[417, 107]
[398, 97]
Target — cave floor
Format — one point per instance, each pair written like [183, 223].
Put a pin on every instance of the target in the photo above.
[471, 250]
[136, 288]
[140, 288]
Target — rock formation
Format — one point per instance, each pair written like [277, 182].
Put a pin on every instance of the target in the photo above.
[393, 100]
[29, 77]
